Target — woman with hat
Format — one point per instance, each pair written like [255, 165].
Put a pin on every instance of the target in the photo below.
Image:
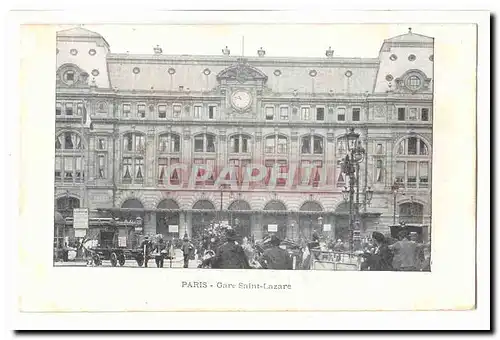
[382, 258]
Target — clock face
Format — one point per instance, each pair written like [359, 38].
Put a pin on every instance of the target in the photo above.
[241, 99]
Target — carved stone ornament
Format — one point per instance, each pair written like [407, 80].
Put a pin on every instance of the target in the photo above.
[241, 72]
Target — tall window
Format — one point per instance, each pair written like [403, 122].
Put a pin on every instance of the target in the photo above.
[425, 114]
[68, 161]
[401, 113]
[341, 114]
[101, 166]
[176, 111]
[197, 112]
[141, 111]
[134, 150]
[276, 144]
[208, 164]
[269, 112]
[413, 161]
[58, 109]
[320, 113]
[69, 109]
[379, 176]
[211, 111]
[126, 110]
[305, 113]
[204, 143]
[282, 168]
[356, 113]
[239, 167]
[312, 144]
[239, 144]
[162, 111]
[310, 172]
[164, 163]
[284, 113]
[169, 142]
[79, 109]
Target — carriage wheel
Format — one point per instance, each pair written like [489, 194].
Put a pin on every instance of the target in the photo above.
[113, 259]
[121, 260]
[140, 261]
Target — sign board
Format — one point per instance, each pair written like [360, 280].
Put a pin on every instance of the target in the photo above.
[80, 218]
[80, 232]
[122, 241]
[327, 227]
[173, 228]
[138, 228]
[225, 223]
[272, 228]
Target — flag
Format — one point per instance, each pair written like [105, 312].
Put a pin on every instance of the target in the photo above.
[87, 121]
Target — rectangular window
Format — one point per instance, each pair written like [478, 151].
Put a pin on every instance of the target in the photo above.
[424, 174]
[126, 110]
[412, 174]
[79, 109]
[197, 112]
[128, 142]
[211, 165]
[320, 113]
[306, 113]
[400, 172]
[282, 145]
[379, 149]
[412, 146]
[162, 111]
[341, 114]
[210, 143]
[139, 169]
[425, 114]
[68, 169]
[58, 168]
[78, 168]
[244, 144]
[269, 113]
[69, 109]
[305, 172]
[140, 143]
[401, 113]
[58, 109]
[306, 145]
[413, 114]
[176, 111]
[318, 165]
[101, 144]
[317, 145]
[175, 174]
[356, 113]
[270, 145]
[141, 111]
[127, 169]
[283, 169]
[236, 146]
[162, 169]
[102, 167]
[211, 112]
[198, 143]
[340, 177]
[283, 113]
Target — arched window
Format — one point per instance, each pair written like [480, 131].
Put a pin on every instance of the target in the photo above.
[68, 158]
[134, 149]
[167, 218]
[413, 160]
[275, 220]
[204, 142]
[411, 212]
[311, 145]
[239, 144]
[276, 144]
[169, 143]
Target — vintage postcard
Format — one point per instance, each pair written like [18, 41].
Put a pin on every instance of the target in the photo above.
[219, 167]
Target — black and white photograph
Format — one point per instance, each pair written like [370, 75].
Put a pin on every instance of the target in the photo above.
[232, 153]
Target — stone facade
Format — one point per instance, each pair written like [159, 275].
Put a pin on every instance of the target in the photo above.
[153, 110]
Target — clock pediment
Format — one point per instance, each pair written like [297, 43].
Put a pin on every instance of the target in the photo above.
[242, 73]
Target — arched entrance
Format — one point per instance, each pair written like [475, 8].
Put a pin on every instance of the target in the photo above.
[308, 219]
[275, 213]
[132, 234]
[201, 219]
[411, 212]
[66, 204]
[342, 221]
[164, 219]
[243, 227]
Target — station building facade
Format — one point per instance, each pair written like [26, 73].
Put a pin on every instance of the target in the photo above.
[151, 112]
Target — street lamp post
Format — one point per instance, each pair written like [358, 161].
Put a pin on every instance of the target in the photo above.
[394, 189]
[350, 167]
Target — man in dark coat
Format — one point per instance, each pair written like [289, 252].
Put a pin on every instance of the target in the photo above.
[146, 247]
[160, 250]
[230, 255]
[187, 248]
[382, 258]
[275, 257]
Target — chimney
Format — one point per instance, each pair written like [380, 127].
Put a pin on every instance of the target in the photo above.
[226, 51]
[158, 49]
[261, 52]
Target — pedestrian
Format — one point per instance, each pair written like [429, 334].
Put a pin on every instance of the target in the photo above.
[405, 252]
[230, 255]
[187, 247]
[146, 247]
[382, 257]
[275, 257]
[160, 251]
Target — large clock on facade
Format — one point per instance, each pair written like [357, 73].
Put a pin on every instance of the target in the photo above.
[241, 100]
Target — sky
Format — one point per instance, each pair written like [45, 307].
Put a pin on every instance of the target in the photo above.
[299, 40]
